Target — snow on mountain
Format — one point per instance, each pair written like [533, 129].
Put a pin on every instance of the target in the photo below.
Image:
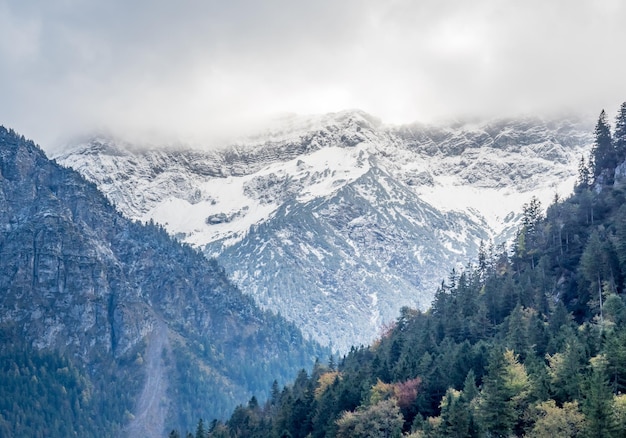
[337, 221]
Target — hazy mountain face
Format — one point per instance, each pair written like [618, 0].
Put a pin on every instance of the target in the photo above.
[338, 221]
[142, 316]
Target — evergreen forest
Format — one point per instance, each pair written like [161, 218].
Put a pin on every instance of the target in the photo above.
[530, 340]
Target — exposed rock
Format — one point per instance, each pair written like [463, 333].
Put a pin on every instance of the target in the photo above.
[347, 219]
[79, 279]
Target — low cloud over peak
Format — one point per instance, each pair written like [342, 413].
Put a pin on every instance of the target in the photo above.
[208, 70]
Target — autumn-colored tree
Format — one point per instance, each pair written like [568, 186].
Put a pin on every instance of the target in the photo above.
[382, 420]
[405, 392]
[554, 421]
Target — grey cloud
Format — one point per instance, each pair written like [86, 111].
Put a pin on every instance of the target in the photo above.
[204, 69]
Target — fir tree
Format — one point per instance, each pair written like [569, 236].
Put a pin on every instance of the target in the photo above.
[495, 413]
[585, 175]
[619, 136]
[456, 420]
[597, 404]
[603, 152]
[200, 432]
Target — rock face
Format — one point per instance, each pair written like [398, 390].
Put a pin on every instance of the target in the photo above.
[79, 279]
[337, 221]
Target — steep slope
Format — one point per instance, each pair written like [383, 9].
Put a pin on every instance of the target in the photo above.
[325, 200]
[127, 305]
[341, 266]
[151, 405]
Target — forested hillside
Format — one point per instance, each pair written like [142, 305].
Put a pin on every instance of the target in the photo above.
[528, 341]
[109, 325]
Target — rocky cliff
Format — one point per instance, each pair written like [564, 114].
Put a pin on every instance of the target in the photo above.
[124, 301]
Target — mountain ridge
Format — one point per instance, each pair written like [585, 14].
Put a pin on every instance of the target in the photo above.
[476, 176]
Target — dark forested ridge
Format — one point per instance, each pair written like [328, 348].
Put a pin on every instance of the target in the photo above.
[108, 325]
[528, 341]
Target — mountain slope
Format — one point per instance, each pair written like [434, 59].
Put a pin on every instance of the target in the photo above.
[334, 204]
[130, 308]
[346, 263]
[519, 344]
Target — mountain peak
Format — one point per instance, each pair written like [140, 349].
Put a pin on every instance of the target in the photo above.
[339, 211]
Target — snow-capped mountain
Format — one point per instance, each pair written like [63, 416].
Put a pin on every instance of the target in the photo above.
[337, 221]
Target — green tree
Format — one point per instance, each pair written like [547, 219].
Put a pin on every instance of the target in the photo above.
[504, 396]
[620, 237]
[530, 236]
[585, 175]
[615, 350]
[603, 152]
[598, 400]
[200, 432]
[619, 136]
[599, 266]
[493, 411]
[565, 370]
[455, 415]
[470, 391]
[517, 331]
[615, 310]
[327, 410]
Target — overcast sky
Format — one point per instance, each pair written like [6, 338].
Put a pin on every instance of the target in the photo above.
[205, 69]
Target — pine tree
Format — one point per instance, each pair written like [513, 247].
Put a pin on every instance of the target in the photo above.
[599, 264]
[274, 394]
[455, 415]
[616, 358]
[619, 137]
[470, 391]
[584, 175]
[495, 414]
[529, 236]
[603, 152]
[504, 396]
[517, 331]
[200, 432]
[565, 370]
[598, 402]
